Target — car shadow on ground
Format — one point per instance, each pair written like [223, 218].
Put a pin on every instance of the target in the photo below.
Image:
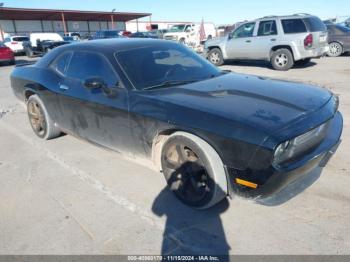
[190, 231]
[265, 64]
[292, 190]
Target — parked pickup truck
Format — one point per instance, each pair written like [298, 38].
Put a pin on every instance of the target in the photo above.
[41, 43]
[187, 33]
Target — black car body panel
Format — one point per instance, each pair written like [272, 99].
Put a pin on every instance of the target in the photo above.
[244, 118]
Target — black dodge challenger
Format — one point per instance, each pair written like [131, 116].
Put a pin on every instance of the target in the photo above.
[210, 132]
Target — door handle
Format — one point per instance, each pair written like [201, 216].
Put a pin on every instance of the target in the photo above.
[273, 39]
[248, 41]
[63, 87]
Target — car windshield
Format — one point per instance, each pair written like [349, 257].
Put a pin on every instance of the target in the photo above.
[163, 66]
[177, 28]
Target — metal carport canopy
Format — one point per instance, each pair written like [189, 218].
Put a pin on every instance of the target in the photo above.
[71, 15]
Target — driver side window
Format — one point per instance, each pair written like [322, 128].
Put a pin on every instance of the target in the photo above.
[245, 30]
[84, 65]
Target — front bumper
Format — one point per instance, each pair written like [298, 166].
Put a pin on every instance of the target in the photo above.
[280, 177]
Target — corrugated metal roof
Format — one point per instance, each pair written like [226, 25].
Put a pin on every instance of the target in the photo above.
[7, 13]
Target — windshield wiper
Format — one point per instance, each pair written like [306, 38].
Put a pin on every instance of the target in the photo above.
[170, 83]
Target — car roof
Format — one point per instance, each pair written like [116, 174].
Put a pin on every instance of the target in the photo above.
[295, 16]
[18, 36]
[114, 44]
[105, 46]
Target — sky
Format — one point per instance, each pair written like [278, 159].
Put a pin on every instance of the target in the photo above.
[217, 11]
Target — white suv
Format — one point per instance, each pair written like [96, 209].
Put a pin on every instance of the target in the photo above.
[15, 43]
[282, 40]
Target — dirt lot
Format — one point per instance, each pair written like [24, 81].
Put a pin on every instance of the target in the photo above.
[66, 196]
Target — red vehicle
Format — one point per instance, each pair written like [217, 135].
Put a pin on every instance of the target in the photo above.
[126, 33]
[6, 54]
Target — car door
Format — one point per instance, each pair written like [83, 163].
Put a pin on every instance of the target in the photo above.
[266, 38]
[240, 43]
[99, 114]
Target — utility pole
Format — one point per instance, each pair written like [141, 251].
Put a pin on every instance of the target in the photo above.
[1, 31]
[112, 18]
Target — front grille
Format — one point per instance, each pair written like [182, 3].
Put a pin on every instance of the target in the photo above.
[169, 37]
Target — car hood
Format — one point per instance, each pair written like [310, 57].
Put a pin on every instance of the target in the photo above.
[215, 41]
[255, 101]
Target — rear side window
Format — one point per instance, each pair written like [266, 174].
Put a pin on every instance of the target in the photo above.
[61, 62]
[84, 65]
[293, 26]
[20, 39]
[267, 28]
[315, 24]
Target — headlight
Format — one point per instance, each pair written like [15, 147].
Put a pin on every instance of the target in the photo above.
[295, 147]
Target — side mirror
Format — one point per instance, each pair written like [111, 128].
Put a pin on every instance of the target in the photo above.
[94, 83]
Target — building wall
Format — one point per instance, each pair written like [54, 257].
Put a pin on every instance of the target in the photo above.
[27, 26]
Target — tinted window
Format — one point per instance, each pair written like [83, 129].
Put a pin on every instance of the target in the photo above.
[292, 26]
[150, 66]
[20, 39]
[267, 28]
[84, 65]
[315, 24]
[245, 30]
[6, 40]
[61, 62]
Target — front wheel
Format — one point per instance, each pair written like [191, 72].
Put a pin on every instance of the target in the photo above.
[193, 170]
[335, 49]
[39, 119]
[282, 59]
[215, 57]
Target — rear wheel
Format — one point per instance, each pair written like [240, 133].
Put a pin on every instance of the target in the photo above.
[282, 59]
[193, 170]
[39, 119]
[215, 57]
[335, 49]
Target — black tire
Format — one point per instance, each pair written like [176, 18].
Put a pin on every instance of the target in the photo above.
[282, 59]
[215, 57]
[193, 170]
[12, 62]
[335, 49]
[40, 120]
[303, 62]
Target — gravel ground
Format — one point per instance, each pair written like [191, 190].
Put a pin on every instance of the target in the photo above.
[66, 196]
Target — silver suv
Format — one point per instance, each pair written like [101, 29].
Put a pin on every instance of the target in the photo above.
[282, 40]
